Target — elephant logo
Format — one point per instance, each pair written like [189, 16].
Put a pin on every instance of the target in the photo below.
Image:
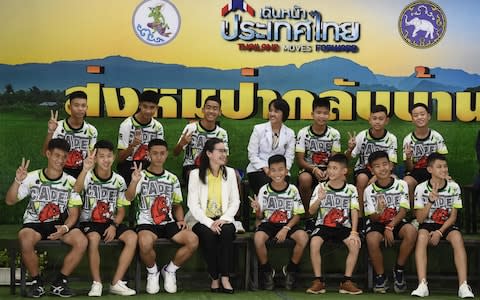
[422, 24]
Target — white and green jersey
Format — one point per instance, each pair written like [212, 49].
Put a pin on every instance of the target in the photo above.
[366, 145]
[102, 197]
[49, 198]
[155, 195]
[199, 136]
[80, 139]
[148, 132]
[394, 196]
[279, 206]
[422, 148]
[448, 198]
[334, 210]
[318, 147]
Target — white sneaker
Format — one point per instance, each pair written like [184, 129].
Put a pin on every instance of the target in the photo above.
[96, 289]
[152, 283]
[238, 227]
[422, 289]
[465, 291]
[169, 281]
[121, 288]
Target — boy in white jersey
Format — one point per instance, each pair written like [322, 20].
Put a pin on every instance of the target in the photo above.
[103, 193]
[51, 213]
[315, 144]
[135, 132]
[418, 145]
[195, 134]
[376, 138]
[81, 135]
[160, 215]
[386, 204]
[437, 202]
[336, 204]
[279, 207]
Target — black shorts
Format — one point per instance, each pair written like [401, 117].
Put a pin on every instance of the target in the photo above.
[379, 227]
[314, 179]
[87, 227]
[434, 226]
[167, 231]
[45, 229]
[186, 172]
[365, 171]
[272, 229]
[420, 174]
[73, 172]
[331, 234]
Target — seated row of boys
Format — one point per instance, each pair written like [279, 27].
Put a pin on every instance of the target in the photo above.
[277, 205]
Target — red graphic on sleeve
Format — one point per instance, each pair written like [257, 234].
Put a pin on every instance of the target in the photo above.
[421, 163]
[440, 215]
[279, 216]
[387, 215]
[101, 212]
[320, 158]
[335, 216]
[141, 152]
[160, 210]
[49, 211]
[74, 159]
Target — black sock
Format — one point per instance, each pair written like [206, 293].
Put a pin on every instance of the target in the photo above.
[320, 278]
[61, 278]
[346, 278]
[265, 267]
[398, 267]
[292, 267]
[38, 279]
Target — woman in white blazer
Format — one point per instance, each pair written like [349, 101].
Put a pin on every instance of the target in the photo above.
[213, 201]
[268, 139]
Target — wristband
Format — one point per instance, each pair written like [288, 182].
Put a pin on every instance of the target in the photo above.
[389, 228]
[439, 232]
[287, 227]
[353, 232]
[115, 225]
[66, 228]
[17, 181]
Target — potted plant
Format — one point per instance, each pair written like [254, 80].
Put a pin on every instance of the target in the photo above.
[5, 267]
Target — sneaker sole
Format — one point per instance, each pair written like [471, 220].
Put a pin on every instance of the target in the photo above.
[63, 296]
[380, 291]
[122, 294]
[309, 291]
[350, 292]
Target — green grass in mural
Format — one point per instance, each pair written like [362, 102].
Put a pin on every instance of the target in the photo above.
[22, 135]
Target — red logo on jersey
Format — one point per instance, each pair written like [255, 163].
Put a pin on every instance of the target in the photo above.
[74, 159]
[387, 215]
[279, 216]
[101, 212]
[49, 211]
[160, 210]
[197, 161]
[421, 163]
[333, 217]
[320, 158]
[141, 152]
[440, 215]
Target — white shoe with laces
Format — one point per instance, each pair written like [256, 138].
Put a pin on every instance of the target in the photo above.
[96, 289]
[121, 288]
[465, 291]
[153, 286]
[169, 281]
[422, 289]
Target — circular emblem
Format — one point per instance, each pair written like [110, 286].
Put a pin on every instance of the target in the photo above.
[422, 24]
[156, 22]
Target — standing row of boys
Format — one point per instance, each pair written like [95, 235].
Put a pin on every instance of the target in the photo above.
[55, 197]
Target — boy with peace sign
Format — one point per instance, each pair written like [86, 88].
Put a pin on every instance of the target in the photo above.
[80, 134]
[437, 202]
[51, 213]
[103, 211]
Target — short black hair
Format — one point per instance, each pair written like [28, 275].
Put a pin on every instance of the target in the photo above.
[420, 105]
[214, 98]
[277, 158]
[157, 142]
[104, 144]
[435, 156]
[379, 108]
[321, 102]
[58, 144]
[377, 155]
[77, 95]
[281, 105]
[339, 158]
[149, 96]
